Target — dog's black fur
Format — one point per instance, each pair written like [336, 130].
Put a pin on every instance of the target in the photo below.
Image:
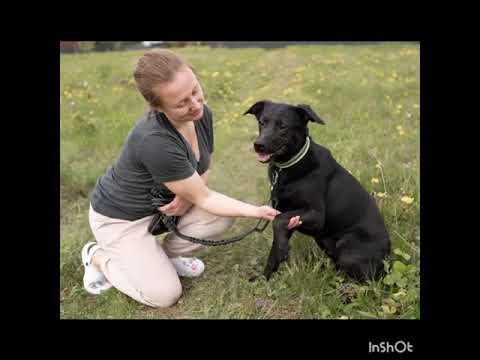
[334, 208]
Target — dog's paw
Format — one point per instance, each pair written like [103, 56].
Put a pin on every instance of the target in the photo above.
[268, 273]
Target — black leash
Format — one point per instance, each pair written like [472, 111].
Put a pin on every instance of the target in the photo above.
[170, 224]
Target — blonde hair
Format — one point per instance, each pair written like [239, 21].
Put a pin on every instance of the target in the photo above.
[154, 68]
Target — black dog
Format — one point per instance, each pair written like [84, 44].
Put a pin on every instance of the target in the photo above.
[334, 208]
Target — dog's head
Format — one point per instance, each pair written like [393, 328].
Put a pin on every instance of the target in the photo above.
[282, 129]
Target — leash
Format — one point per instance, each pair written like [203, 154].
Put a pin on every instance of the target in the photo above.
[172, 227]
[170, 223]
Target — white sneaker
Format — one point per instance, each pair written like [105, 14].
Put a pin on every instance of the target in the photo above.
[94, 281]
[188, 267]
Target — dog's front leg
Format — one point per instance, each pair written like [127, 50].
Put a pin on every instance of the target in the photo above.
[281, 238]
[312, 220]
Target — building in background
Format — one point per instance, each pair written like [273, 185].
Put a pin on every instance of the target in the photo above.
[69, 46]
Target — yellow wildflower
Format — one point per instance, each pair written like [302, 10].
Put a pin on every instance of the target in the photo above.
[407, 199]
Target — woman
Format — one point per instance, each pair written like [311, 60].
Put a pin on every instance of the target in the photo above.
[168, 151]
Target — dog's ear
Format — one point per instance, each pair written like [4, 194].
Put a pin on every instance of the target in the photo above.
[256, 109]
[308, 114]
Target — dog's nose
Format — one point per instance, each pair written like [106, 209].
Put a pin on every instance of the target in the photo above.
[259, 147]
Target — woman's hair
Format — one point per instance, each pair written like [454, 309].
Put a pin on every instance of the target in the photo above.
[156, 67]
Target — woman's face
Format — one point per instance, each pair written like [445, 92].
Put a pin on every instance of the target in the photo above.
[182, 98]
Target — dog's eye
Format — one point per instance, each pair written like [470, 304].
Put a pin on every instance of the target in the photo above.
[281, 126]
[261, 123]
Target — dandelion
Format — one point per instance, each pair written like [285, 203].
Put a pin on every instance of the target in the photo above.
[228, 74]
[382, 195]
[215, 74]
[343, 317]
[375, 181]
[416, 106]
[406, 199]
[319, 91]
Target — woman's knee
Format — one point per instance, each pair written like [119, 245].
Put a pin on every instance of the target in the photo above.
[163, 296]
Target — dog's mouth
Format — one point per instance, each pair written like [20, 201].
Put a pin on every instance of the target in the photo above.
[266, 157]
[263, 158]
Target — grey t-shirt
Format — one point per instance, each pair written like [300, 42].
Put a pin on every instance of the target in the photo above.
[154, 152]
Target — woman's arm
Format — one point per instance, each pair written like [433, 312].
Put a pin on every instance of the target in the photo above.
[194, 190]
[179, 205]
[204, 176]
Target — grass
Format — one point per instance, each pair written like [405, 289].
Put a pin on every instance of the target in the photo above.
[369, 98]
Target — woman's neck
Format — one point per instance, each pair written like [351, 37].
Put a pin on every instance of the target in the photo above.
[182, 126]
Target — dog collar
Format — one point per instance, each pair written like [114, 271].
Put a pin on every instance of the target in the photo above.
[296, 158]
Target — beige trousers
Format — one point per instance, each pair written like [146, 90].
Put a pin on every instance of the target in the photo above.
[136, 264]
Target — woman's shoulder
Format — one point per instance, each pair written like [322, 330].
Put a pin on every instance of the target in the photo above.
[149, 125]
[147, 129]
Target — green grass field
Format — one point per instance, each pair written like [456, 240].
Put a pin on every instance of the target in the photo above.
[369, 97]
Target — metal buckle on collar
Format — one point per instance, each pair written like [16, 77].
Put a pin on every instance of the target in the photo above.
[275, 178]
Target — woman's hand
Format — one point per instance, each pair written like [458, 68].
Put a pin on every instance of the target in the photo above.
[267, 212]
[294, 222]
[177, 207]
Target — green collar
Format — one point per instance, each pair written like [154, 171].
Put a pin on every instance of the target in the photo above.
[296, 158]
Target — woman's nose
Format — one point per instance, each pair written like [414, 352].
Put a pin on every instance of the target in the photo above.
[196, 102]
